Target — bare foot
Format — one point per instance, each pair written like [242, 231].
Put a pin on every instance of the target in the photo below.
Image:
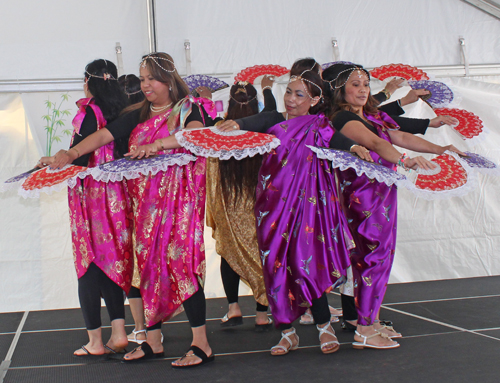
[328, 340]
[284, 346]
[388, 330]
[190, 359]
[261, 318]
[89, 349]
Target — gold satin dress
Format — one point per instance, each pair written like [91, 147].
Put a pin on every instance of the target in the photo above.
[234, 233]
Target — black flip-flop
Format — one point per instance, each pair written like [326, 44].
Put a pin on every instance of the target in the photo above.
[88, 354]
[264, 327]
[231, 322]
[200, 354]
[148, 354]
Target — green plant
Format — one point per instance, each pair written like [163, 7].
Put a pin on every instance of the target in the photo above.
[54, 119]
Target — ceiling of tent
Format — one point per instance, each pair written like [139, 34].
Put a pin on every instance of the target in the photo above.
[54, 39]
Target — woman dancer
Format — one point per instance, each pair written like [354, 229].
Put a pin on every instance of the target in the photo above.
[168, 208]
[99, 215]
[231, 186]
[371, 206]
[300, 226]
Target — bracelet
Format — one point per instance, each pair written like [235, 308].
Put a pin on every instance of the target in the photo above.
[161, 144]
[401, 161]
[266, 87]
[77, 152]
[387, 93]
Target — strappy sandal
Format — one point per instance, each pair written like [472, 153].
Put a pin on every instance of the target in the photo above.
[231, 322]
[197, 352]
[286, 350]
[307, 318]
[388, 328]
[360, 346]
[326, 330]
[135, 333]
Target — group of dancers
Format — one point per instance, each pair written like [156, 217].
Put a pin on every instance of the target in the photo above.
[286, 222]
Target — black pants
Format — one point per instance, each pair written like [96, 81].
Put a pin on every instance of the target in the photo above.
[319, 310]
[231, 283]
[196, 310]
[134, 293]
[349, 311]
[93, 285]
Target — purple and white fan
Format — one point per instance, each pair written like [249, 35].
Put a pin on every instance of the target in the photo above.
[440, 94]
[343, 160]
[129, 169]
[16, 181]
[196, 80]
[481, 164]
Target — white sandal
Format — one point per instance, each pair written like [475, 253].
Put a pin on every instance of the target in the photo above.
[360, 346]
[389, 328]
[326, 330]
[286, 335]
[135, 333]
[307, 318]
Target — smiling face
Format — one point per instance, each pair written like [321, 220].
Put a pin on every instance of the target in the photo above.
[297, 100]
[357, 90]
[155, 91]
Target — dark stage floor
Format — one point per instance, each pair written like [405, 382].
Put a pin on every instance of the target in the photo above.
[451, 334]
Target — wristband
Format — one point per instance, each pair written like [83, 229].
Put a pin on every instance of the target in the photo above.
[401, 161]
[266, 87]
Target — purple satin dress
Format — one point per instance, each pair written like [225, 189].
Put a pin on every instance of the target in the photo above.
[371, 209]
[303, 236]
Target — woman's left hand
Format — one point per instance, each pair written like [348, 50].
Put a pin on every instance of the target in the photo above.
[143, 151]
[44, 161]
[452, 148]
[204, 92]
[439, 121]
[228, 125]
[362, 152]
[419, 162]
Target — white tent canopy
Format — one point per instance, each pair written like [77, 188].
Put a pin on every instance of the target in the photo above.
[47, 44]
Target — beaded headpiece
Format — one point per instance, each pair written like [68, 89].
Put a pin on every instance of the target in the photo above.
[105, 76]
[338, 69]
[242, 89]
[304, 80]
[155, 59]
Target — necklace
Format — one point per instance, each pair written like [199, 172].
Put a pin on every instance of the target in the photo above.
[159, 109]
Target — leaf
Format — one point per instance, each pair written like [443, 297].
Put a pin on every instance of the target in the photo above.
[46, 118]
[60, 123]
[48, 104]
[66, 112]
[56, 112]
[56, 138]
[65, 96]
[67, 132]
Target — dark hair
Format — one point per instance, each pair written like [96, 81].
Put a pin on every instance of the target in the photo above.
[161, 66]
[335, 78]
[309, 77]
[239, 178]
[131, 86]
[242, 101]
[100, 76]
[301, 65]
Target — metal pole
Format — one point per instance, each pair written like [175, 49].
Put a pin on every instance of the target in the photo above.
[152, 25]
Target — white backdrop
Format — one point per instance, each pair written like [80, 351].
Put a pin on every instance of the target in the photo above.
[439, 239]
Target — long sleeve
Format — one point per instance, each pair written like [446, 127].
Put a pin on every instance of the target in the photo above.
[269, 101]
[412, 125]
[392, 109]
[260, 122]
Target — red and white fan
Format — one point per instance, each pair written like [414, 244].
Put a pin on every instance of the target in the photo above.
[398, 70]
[211, 142]
[451, 178]
[48, 181]
[470, 126]
[251, 73]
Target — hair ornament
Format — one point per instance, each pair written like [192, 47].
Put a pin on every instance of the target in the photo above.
[106, 76]
[303, 80]
[351, 69]
[155, 60]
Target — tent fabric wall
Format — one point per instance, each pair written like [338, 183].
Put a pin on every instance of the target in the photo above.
[437, 239]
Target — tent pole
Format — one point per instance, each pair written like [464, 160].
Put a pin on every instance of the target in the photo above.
[152, 25]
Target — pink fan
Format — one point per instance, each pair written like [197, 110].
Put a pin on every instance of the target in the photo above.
[251, 73]
[399, 70]
[210, 142]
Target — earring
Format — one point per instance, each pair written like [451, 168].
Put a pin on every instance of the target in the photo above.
[170, 88]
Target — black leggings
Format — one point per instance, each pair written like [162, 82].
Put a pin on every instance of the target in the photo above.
[231, 283]
[349, 311]
[195, 307]
[134, 293]
[93, 285]
[319, 310]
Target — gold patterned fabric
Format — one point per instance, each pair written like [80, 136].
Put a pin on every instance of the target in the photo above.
[235, 234]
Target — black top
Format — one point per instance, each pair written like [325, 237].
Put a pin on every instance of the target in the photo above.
[123, 126]
[89, 126]
[269, 101]
[263, 121]
[344, 116]
[409, 125]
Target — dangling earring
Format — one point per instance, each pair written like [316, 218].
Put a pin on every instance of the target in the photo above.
[170, 88]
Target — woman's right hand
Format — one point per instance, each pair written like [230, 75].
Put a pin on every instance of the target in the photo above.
[267, 81]
[228, 125]
[419, 162]
[44, 161]
[62, 158]
[439, 121]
